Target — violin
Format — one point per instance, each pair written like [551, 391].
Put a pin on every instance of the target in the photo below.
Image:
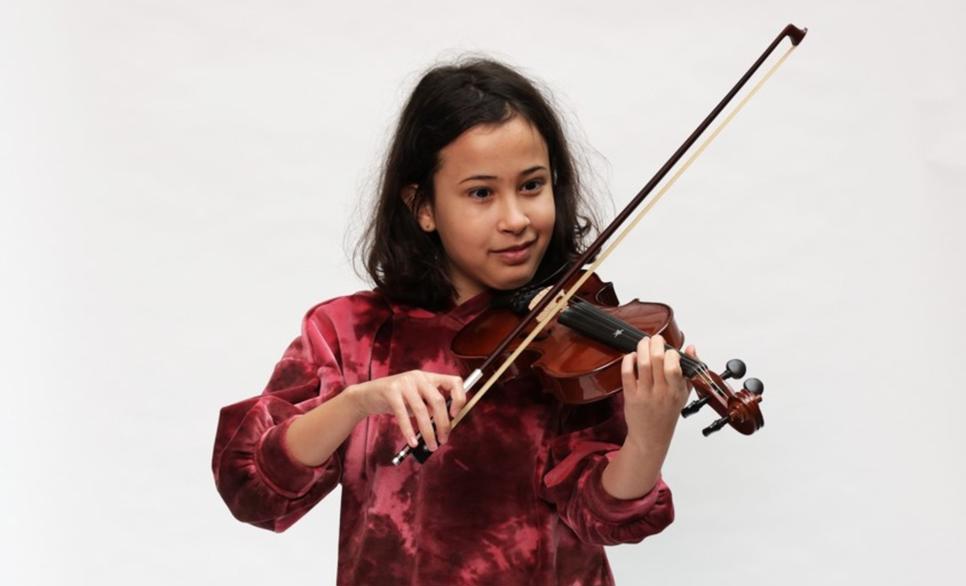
[578, 358]
[573, 333]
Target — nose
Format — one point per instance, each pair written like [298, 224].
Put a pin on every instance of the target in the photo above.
[513, 216]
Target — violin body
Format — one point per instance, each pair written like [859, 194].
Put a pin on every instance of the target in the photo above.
[575, 368]
[581, 366]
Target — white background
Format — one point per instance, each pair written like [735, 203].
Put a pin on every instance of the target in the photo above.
[182, 180]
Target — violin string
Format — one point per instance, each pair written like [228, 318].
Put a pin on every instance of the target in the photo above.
[611, 323]
[592, 320]
[637, 335]
[589, 318]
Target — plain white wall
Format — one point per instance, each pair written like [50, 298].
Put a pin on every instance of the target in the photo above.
[180, 179]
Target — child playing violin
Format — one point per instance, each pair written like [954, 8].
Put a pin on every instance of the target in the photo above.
[479, 193]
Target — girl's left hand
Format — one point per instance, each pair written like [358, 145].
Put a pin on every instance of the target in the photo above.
[655, 394]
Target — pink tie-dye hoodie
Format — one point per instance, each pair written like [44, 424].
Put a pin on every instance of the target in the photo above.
[514, 497]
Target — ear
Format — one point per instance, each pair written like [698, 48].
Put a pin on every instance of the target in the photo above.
[424, 215]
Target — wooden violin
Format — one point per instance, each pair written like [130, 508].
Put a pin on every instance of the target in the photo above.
[578, 358]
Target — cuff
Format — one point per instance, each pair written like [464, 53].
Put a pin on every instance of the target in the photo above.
[611, 509]
[279, 469]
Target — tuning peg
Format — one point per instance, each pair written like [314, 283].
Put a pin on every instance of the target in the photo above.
[695, 406]
[718, 424]
[734, 369]
[754, 386]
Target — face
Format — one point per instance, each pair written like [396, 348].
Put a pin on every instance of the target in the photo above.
[493, 208]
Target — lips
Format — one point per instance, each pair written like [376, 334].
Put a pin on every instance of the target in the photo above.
[516, 248]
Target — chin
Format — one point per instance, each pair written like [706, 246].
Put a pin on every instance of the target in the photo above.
[518, 278]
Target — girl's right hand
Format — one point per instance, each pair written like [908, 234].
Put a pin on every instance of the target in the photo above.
[416, 393]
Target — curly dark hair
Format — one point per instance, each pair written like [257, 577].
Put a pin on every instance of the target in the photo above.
[403, 261]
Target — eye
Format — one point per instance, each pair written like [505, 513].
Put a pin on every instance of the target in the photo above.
[534, 185]
[479, 193]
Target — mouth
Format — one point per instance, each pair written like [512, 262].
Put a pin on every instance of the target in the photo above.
[516, 255]
[516, 248]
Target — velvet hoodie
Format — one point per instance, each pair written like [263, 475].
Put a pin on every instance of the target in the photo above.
[514, 497]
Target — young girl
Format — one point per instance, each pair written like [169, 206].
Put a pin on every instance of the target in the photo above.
[479, 194]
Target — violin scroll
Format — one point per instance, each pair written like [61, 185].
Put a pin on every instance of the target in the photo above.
[740, 410]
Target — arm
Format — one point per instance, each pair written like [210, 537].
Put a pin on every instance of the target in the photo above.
[279, 454]
[573, 483]
[607, 486]
[259, 476]
[313, 438]
[634, 470]
[654, 393]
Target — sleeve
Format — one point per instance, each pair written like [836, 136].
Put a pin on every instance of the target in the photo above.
[255, 474]
[572, 483]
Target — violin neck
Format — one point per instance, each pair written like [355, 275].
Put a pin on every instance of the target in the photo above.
[595, 323]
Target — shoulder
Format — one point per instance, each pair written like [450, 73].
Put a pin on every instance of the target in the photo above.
[358, 311]
[341, 330]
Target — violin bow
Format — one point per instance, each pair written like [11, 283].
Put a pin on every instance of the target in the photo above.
[554, 300]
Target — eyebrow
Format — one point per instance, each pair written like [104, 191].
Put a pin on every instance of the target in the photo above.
[525, 172]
